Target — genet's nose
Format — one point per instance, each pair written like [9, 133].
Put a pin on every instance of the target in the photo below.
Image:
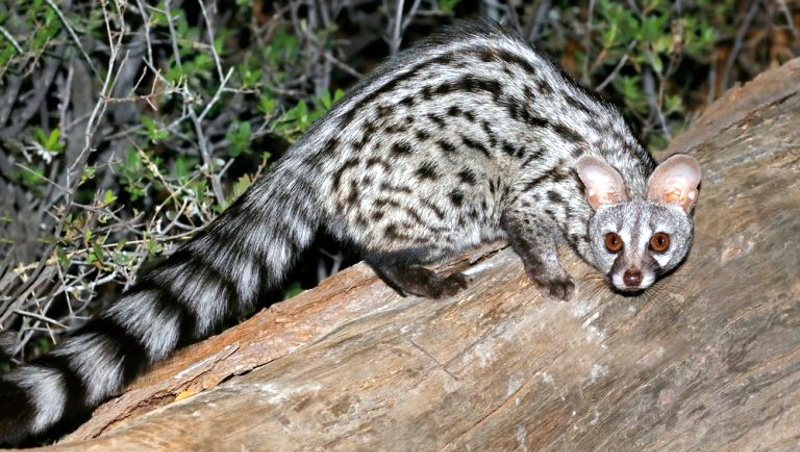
[632, 278]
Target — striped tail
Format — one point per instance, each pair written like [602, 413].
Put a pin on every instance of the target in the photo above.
[242, 254]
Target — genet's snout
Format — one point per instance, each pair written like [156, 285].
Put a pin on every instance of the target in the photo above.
[632, 278]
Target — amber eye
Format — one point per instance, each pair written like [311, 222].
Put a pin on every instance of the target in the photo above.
[659, 242]
[613, 242]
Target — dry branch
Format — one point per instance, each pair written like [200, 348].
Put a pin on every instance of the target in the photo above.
[708, 360]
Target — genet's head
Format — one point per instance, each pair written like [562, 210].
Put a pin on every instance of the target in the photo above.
[635, 241]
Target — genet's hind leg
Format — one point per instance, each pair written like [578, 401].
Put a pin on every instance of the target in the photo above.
[417, 280]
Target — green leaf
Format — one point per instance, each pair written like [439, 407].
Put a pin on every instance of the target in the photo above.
[266, 104]
[181, 167]
[109, 197]
[153, 131]
[239, 139]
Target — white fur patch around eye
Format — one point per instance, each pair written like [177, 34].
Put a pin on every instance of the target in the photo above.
[662, 259]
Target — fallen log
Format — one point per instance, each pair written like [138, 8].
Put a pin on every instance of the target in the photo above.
[707, 360]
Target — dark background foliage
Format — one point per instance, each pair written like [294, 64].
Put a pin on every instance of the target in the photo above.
[125, 126]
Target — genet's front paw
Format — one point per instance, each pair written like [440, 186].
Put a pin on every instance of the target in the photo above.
[558, 287]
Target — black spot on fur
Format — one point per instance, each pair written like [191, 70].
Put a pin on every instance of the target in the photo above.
[379, 203]
[508, 148]
[395, 188]
[456, 197]
[489, 133]
[554, 197]
[517, 60]
[407, 101]
[513, 110]
[396, 128]
[444, 88]
[384, 110]
[328, 148]
[446, 146]
[528, 92]
[454, 111]
[422, 135]
[353, 197]
[543, 87]
[467, 176]
[567, 133]
[337, 176]
[427, 171]
[478, 146]
[577, 104]
[437, 120]
[413, 214]
[372, 161]
[401, 148]
[390, 232]
[433, 207]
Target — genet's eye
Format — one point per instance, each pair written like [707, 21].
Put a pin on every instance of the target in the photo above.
[613, 242]
[659, 242]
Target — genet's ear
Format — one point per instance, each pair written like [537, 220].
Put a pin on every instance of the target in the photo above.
[675, 181]
[604, 185]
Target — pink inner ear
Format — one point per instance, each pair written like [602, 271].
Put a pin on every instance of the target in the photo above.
[673, 196]
[604, 185]
[675, 181]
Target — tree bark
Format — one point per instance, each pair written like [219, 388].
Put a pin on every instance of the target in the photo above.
[707, 360]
